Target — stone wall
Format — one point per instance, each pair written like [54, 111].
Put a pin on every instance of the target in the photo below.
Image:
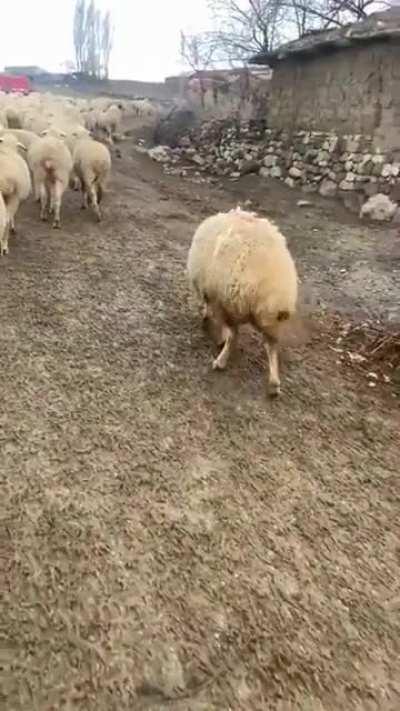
[350, 91]
[331, 164]
[335, 166]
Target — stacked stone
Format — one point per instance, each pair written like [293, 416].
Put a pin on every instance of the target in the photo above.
[314, 161]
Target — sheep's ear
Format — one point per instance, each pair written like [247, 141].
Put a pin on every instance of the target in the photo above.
[22, 147]
[62, 134]
[1, 139]
[44, 133]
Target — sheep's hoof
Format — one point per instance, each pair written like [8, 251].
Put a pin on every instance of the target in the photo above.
[56, 225]
[274, 390]
[98, 216]
[83, 207]
[218, 364]
[43, 218]
[13, 231]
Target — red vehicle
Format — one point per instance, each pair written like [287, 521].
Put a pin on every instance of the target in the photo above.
[15, 84]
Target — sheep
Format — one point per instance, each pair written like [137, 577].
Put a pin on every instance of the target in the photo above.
[92, 165]
[51, 164]
[242, 271]
[3, 227]
[15, 180]
[23, 136]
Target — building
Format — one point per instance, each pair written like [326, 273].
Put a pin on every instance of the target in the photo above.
[28, 71]
[344, 80]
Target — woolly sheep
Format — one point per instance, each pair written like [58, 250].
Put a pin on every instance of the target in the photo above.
[241, 269]
[92, 165]
[15, 180]
[51, 165]
[108, 122]
[23, 136]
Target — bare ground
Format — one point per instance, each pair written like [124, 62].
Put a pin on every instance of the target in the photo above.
[172, 539]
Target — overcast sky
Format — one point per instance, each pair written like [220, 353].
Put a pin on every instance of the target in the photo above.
[146, 42]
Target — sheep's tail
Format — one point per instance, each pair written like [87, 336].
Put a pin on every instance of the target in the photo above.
[49, 170]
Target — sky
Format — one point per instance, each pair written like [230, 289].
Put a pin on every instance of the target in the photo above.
[147, 34]
[146, 44]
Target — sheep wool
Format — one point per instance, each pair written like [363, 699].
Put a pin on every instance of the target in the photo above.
[242, 271]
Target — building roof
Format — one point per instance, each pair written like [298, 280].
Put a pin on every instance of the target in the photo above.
[378, 27]
[25, 70]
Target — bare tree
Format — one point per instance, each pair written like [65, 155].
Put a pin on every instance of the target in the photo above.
[92, 39]
[197, 52]
[106, 43]
[335, 13]
[244, 28]
[247, 27]
[79, 33]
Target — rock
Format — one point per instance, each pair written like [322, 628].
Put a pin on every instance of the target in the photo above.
[348, 165]
[323, 157]
[295, 172]
[198, 159]
[250, 166]
[377, 169]
[350, 177]
[379, 207]
[346, 185]
[396, 217]
[161, 154]
[378, 159]
[328, 188]
[264, 172]
[386, 170]
[290, 182]
[365, 167]
[276, 172]
[304, 203]
[270, 160]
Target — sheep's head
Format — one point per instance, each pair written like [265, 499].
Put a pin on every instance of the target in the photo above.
[54, 132]
[9, 142]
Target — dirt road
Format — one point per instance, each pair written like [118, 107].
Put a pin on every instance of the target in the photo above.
[172, 539]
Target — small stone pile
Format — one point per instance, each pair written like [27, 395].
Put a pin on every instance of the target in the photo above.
[326, 163]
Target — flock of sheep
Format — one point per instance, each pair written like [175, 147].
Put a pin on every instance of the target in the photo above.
[239, 265]
[54, 142]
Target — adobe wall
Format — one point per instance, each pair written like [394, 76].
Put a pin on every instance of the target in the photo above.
[352, 91]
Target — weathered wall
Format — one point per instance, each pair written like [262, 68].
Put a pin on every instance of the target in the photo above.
[352, 91]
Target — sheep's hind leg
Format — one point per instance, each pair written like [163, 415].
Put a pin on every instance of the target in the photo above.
[43, 202]
[4, 241]
[274, 383]
[56, 204]
[228, 336]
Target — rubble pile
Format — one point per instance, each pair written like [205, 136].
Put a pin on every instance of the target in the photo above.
[329, 164]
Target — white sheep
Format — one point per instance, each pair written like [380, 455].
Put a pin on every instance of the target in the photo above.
[241, 269]
[108, 123]
[3, 227]
[51, 164]
[15, 179]
[23, 136]
[92, 166]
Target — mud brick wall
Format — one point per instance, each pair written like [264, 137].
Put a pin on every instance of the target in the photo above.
[351, 91]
